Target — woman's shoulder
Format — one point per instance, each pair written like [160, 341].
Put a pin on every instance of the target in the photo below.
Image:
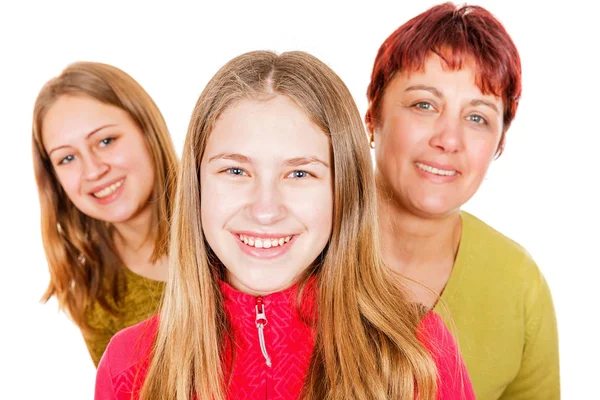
[483, 244]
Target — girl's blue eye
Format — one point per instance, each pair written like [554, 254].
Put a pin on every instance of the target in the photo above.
[107, 141]
[299, 174]
[67, 159]
[235, 171]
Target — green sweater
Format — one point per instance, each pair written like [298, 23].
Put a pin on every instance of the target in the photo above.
[140, 301]
[503, 316]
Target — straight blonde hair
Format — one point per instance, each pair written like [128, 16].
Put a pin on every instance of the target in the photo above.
[84, 265]
[366, 346]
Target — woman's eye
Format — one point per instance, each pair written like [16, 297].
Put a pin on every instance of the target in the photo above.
[423, 105]
[298, 174]
[235, 171]
[66, 159]
[107, 141]
[477, 119]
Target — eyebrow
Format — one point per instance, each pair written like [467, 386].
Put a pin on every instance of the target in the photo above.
[431, 89]
[87, 137]
[292, 162]
[480, 102]
[437, 93]
[299, 161]
[231, 156]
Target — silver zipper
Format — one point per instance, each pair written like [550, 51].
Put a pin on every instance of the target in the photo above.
[261, 322]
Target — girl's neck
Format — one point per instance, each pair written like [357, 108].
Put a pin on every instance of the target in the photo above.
[135, 241]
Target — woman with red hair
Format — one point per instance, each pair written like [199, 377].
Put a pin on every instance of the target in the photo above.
[444, 90]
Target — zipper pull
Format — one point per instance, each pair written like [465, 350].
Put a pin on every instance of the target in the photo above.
[261, 322]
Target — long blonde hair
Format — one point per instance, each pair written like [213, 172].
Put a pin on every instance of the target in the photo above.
[84, 265]
[366, 345]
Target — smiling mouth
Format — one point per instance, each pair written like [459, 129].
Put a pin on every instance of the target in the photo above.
[435, 171]
[264, 243]
[107, 191]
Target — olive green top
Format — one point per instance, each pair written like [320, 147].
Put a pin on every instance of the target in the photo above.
[140, 301]
[502, 309]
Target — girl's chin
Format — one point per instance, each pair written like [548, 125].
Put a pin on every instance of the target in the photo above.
[259, 287]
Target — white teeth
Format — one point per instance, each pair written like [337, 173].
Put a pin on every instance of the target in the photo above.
[264, 243]
[108, 190]
[434, 170]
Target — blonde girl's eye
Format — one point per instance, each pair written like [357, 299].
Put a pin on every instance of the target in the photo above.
[299, 174]
[235, 171]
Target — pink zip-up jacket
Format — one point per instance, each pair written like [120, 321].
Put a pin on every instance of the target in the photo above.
[273, 346]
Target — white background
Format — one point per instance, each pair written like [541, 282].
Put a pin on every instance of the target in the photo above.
[542, 192]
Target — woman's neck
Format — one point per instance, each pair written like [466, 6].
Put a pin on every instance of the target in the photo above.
[414, 239]
[421, 249]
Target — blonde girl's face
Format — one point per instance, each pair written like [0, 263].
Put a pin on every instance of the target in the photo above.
[266, 193]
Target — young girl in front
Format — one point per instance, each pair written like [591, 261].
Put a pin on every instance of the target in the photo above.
[276, 286]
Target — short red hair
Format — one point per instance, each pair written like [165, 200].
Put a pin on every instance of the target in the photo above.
[458, 34]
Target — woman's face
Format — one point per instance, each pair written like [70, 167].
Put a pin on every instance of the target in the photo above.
[100, 158]
[266, 193]
[436, 138]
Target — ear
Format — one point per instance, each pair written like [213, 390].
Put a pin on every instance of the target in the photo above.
[372, 127]
[370, 124]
